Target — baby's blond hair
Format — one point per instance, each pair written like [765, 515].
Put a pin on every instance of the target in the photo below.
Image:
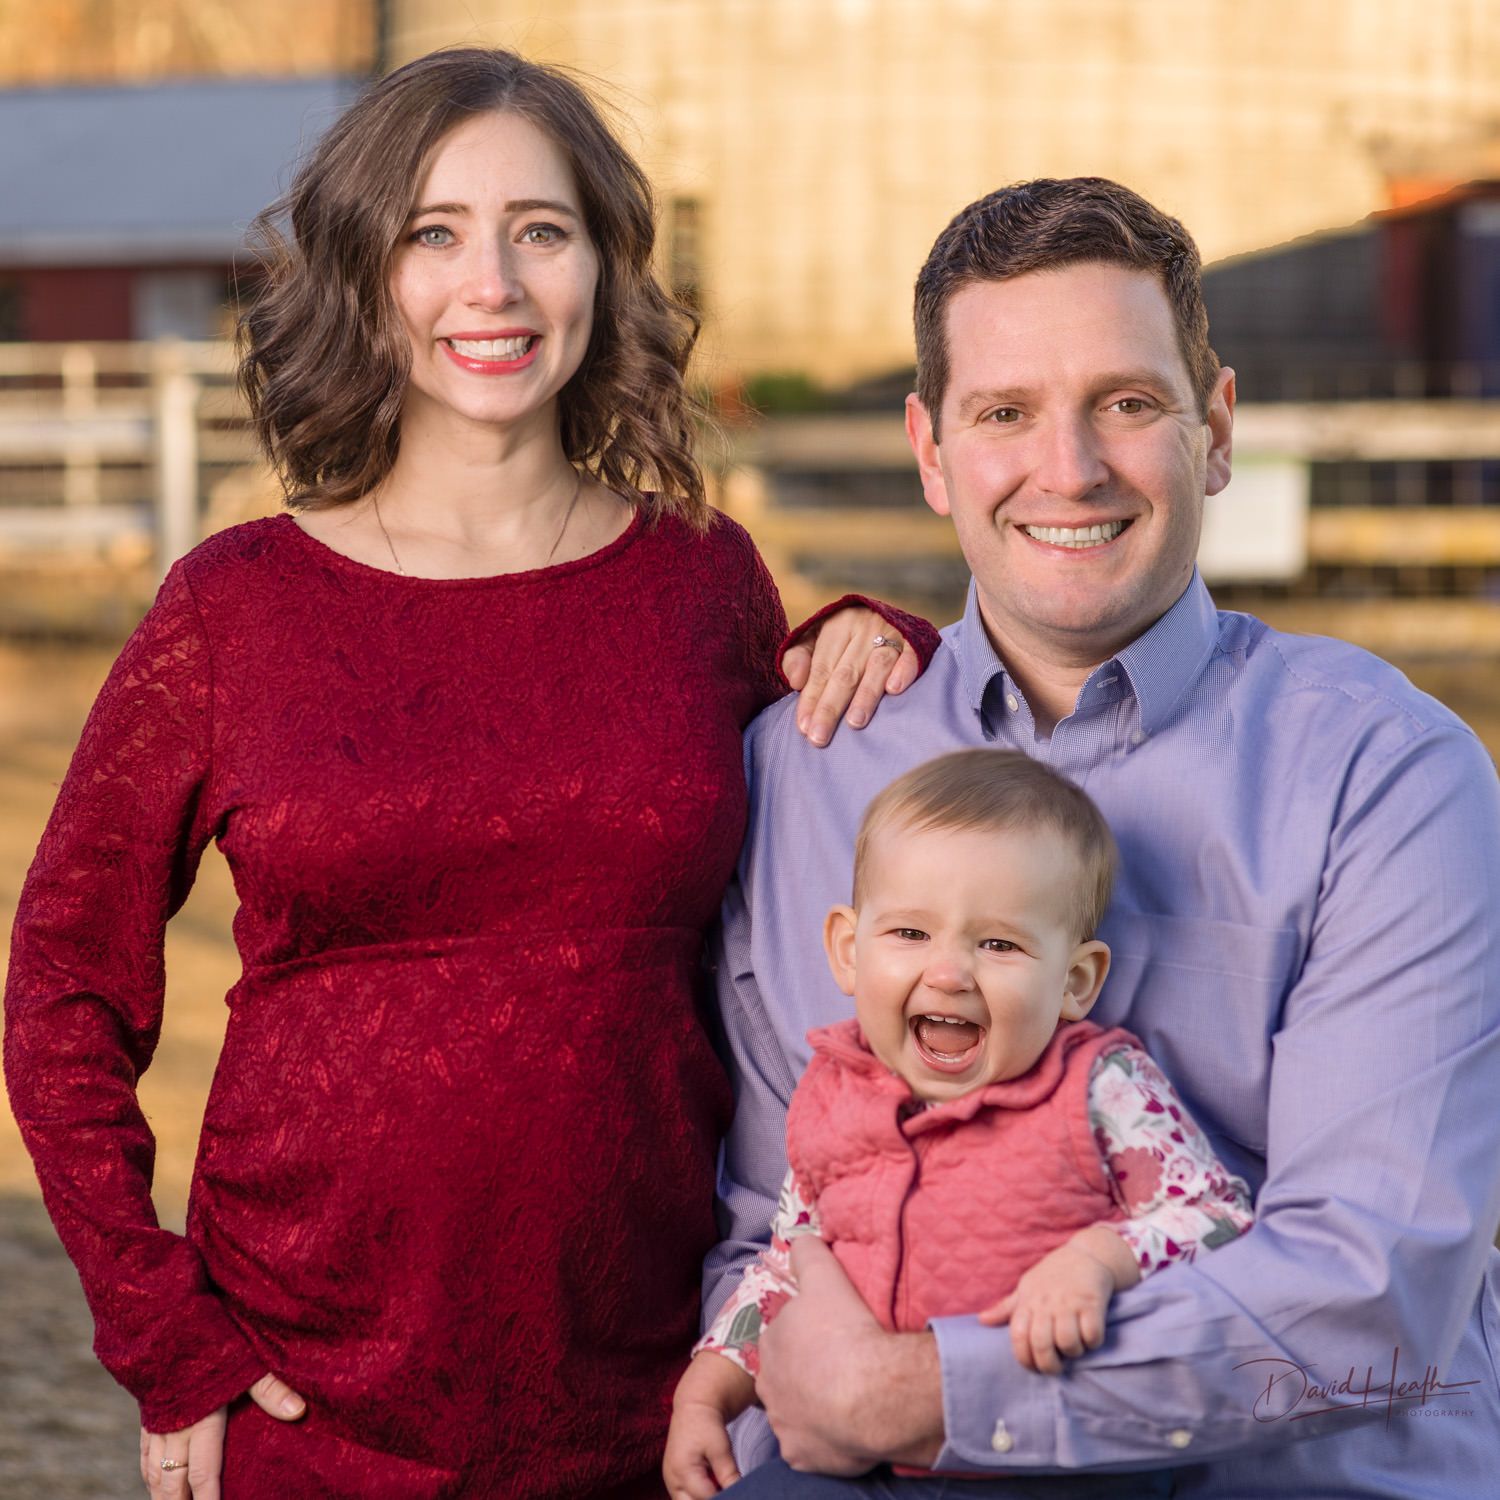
[1000, 790]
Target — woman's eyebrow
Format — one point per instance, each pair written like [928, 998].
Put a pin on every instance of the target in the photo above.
[515, 206]
[533, 205]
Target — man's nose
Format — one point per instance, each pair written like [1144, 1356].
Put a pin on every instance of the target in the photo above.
[1070, 460]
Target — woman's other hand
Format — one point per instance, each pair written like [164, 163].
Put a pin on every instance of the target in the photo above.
[851, 664]
[197, 1452]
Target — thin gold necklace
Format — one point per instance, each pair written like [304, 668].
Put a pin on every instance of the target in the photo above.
[552, 552]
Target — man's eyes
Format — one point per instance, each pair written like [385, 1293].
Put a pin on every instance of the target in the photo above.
[1125, 406]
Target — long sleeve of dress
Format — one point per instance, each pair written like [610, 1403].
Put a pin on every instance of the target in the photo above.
[920, 635]
[83, 1013]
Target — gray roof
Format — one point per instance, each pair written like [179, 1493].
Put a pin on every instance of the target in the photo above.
[165, 172]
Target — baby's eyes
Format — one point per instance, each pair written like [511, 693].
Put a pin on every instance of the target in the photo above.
[998, 945]
[910, 934]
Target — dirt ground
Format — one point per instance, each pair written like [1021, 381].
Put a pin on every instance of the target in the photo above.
[67, 1432]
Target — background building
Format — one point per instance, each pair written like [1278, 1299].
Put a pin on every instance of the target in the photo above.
[806, 152]
[138, 138]
[123, 208]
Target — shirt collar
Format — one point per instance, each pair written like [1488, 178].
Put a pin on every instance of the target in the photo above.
[1160, 665]
[1168, 659]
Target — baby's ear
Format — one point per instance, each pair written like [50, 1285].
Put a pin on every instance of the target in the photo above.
[838, 944]
[1086, 972]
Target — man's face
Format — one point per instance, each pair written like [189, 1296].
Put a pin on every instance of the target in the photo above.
[1073, 459]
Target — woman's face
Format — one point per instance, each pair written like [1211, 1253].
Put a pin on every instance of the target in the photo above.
[494, 278]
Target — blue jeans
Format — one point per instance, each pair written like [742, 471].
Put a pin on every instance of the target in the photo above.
[775, 1480]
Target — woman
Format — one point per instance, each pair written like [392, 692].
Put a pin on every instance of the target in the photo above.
[467, 730]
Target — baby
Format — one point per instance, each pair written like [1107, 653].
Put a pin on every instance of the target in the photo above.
[969, 1142]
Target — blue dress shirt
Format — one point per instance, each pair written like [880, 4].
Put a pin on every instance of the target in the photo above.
[1305, 938]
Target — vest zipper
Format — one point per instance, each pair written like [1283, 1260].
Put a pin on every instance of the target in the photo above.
[901, 1291]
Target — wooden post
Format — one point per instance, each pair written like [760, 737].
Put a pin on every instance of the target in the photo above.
[176, 403]
[80, 401]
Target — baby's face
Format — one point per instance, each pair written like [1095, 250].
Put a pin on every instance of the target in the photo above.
[962, 958]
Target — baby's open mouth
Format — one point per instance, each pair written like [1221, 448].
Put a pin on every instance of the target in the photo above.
[947, 1043]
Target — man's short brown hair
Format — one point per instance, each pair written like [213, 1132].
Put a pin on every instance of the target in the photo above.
[1000, 791]
[1046, 224]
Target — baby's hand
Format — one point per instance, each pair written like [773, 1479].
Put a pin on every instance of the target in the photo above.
[699, 1461]
[1058, 1306]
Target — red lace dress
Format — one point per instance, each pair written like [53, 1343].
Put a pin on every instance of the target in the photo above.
[455, 1178]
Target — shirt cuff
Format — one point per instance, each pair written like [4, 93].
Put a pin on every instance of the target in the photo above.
[991, 1418]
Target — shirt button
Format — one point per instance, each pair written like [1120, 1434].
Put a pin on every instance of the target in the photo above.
[1180, 1438]
[1138, 737]
[1013, 703]
[1001, 1441]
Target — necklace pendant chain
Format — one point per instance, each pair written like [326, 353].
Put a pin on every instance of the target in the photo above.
[567, 516]
[375, 501]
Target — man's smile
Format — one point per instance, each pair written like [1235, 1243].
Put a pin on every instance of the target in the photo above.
[1077, 538]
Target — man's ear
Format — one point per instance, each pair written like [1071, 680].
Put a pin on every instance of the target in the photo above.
[1220, 432]
[924, 445]
[838, 944]
[1086, 972]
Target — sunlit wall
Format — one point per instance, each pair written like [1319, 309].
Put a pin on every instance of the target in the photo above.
[807, 151]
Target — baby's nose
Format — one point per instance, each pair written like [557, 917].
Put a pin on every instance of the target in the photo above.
[948, 973]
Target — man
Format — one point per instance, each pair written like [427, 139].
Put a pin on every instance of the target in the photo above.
[1303, 927]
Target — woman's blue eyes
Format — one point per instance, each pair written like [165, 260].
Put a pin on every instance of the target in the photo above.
[439, 236]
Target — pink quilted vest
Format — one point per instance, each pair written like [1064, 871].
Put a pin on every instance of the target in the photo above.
[939, 1211]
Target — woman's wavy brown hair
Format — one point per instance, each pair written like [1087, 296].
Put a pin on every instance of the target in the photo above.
[324, 355]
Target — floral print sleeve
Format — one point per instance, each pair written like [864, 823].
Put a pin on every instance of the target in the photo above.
[765, 1287]
[1177, 1195]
